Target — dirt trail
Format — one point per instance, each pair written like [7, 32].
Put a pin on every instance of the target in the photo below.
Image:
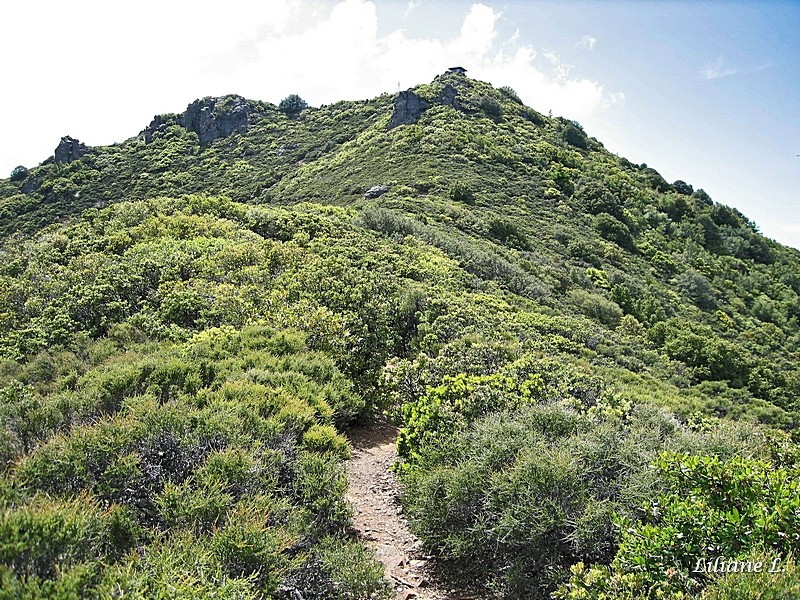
[378, 518]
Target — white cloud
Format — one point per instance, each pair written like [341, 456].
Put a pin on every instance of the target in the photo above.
[412, 4]
[341, 56]
[587, 41]
[152, 57]
[718, 70]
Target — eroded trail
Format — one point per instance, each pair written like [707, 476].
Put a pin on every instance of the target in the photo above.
[378, 518]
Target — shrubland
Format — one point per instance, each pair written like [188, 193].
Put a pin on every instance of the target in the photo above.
[594, 370]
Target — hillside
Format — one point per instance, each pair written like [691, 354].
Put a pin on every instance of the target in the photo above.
[191, 320]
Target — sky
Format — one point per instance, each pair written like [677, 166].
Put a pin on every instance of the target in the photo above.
[703, 91]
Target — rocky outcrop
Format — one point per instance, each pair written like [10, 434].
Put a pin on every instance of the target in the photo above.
[375, 191]
[408, 108]
[210, 118]
[159, 124]
[69, 149]
[214, 118]
[449, 97]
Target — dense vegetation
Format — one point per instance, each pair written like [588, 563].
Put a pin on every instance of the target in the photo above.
[595, 370]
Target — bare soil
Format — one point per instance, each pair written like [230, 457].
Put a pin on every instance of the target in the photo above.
[378, 518]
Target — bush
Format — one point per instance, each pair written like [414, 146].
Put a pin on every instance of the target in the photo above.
[337, 571]
[510, 93]
[596, 307]
[736, 509]
[575, 136]
[19, 173]
[460, 192]
[323, 439]
[698, 289]
[517, 497]
[319, 486]
[491, 107]
[292, 105]
[595, 198]
[47, 537]
[613, 230]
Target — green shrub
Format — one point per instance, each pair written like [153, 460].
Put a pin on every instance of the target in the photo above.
[575, 136]
[491, 107]
[324, 439]
[518, 497]
[337, 571]
[613, 230]
[180, 567]
[461, 192]
[596, 307]
[18, 173]
[352, 570]
[249, 548]
[779, 579]
[319, 486]
[292, 105]
[185, 506]
[46, 537]
[711, 507]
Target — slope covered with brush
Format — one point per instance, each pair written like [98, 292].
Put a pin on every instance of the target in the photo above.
[189, 320]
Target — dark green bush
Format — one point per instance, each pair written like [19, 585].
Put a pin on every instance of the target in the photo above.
[19, 173]
[461, 192]
[575, 136]
[292, 105]
[491, 107]
[613, 230]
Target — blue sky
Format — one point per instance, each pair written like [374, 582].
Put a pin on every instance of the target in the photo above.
[706, 92]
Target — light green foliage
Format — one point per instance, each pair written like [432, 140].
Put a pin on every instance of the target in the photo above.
[779, 579]
[226, 438]
[734, 508]
[519, 496]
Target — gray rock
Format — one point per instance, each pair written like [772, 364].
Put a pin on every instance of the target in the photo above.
[376, 191]
[449, 97]
[214, 118]
[69, 149]
[408, 108]
[159, 124]
[210, 118]
[31, 185]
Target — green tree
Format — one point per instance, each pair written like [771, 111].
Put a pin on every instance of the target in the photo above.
[292, 105]
[19, 173]
[613, 230]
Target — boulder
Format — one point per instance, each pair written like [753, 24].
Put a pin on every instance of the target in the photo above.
[376, 191]
[408, 108]
[69, 149]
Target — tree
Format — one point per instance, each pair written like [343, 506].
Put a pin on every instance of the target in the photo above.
[575, 136]
[19, 173]
[613, 230]
[683, 188]
[292, 105]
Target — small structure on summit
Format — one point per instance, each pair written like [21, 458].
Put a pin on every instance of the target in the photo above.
[457, 70]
